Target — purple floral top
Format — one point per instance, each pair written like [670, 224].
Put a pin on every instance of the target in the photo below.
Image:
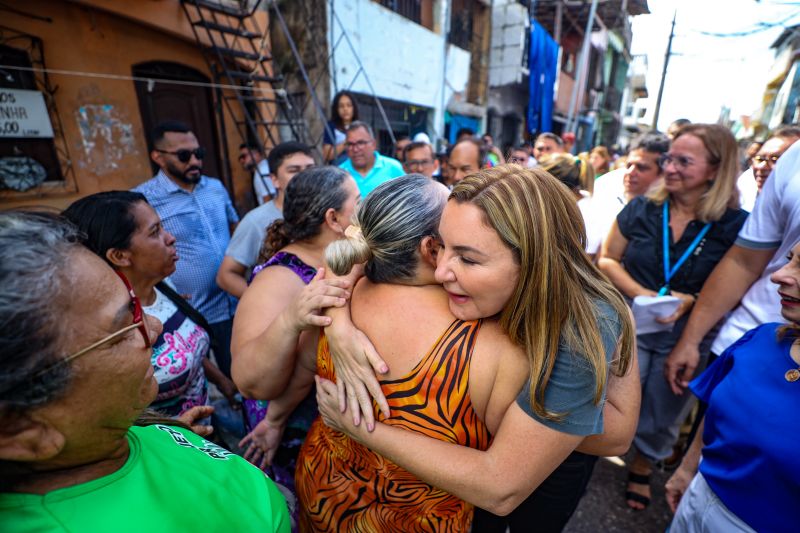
[282, 469]
[290, 261]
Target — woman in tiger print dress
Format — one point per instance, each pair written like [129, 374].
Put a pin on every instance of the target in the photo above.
[451, 379]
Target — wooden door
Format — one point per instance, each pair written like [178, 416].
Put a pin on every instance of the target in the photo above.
[192, 104]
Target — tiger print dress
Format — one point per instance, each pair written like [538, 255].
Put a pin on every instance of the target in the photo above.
[343, 486]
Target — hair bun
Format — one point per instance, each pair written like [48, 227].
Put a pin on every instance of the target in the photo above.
[353, 231]
[341, 255]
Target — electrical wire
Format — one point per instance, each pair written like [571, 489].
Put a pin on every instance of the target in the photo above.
[280, 92]
[759, 27]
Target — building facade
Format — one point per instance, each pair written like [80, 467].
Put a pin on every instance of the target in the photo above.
[90, 79]
[588, 96]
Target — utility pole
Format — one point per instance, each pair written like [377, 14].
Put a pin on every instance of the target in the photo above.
[581, 72]
[667, 55]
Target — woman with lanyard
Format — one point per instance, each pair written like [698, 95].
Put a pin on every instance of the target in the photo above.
[667, 243]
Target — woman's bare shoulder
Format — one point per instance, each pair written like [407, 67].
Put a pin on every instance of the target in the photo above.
[493, 339]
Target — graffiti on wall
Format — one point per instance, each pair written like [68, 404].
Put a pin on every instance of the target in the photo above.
[105, 137]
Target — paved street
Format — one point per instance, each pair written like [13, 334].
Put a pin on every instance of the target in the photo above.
[603, 507]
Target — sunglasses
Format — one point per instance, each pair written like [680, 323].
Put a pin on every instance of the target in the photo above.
[138, 323]
[184, 156]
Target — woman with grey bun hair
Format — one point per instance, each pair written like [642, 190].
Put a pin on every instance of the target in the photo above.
[451, 379]
[388, 229]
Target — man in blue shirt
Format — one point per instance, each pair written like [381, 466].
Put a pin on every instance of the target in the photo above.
[368, 167]
[197, 210]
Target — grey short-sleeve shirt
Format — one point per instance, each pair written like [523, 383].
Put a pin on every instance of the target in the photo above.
[249, 235]
[572, 383]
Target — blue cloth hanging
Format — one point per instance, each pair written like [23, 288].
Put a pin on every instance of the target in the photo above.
[543, 64]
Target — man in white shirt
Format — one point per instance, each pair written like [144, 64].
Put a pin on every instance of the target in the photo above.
[742, 276]
[613, 190]
[752, 180]
[252, 159]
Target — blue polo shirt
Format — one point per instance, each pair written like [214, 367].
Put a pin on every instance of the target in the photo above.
[385, 169]
[199, 221]
[750, 457]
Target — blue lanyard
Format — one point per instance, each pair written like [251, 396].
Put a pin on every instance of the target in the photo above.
[668, 273]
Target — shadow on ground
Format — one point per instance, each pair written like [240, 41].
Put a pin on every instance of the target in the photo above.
[603, 506]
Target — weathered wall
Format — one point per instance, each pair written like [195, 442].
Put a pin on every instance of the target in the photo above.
[404, 60]
[101, 119]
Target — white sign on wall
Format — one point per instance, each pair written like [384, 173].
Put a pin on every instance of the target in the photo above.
[24, 114]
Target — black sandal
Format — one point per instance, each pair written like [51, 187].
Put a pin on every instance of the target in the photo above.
[640, 479]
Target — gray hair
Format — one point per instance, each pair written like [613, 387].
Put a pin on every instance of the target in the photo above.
[34, 249]
[360, 124]
[393, 220]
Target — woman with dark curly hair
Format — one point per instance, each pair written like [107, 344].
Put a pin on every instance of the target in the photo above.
[277, 309]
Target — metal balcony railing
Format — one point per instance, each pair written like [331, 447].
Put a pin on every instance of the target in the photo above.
[410, 9]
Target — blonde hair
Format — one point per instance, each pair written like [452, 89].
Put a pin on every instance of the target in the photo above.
[538, 219]
[602, 151]
[388, 228]
[723, 153]
[574, 172]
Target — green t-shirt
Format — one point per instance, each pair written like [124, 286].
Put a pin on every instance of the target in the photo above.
[173, 480]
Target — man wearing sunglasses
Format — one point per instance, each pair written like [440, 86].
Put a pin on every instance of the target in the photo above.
[752, 180]
[197, 210]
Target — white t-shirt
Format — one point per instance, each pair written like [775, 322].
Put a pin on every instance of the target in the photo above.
[748, 190]
[774, 223]
[249, 235]
[607, 201]
[262, 182]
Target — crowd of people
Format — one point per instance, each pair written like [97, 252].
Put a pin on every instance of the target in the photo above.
[425, 342]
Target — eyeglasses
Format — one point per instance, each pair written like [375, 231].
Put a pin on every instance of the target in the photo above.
[677, 160]
[184, 156]
[138, 323]
[765, 159]
[356, 144]
[418, 163]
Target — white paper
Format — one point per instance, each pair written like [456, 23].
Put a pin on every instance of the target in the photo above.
[646, 309]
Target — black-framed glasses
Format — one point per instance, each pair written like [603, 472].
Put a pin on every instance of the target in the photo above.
[418, 163]
[765, 159]
[357, 144]
[184, 156]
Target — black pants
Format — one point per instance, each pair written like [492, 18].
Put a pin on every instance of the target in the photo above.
[222, 335]
[550, 506]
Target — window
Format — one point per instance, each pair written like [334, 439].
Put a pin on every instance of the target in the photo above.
[461, 17]
[419, 11]
[31, 161]
[409, 9]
